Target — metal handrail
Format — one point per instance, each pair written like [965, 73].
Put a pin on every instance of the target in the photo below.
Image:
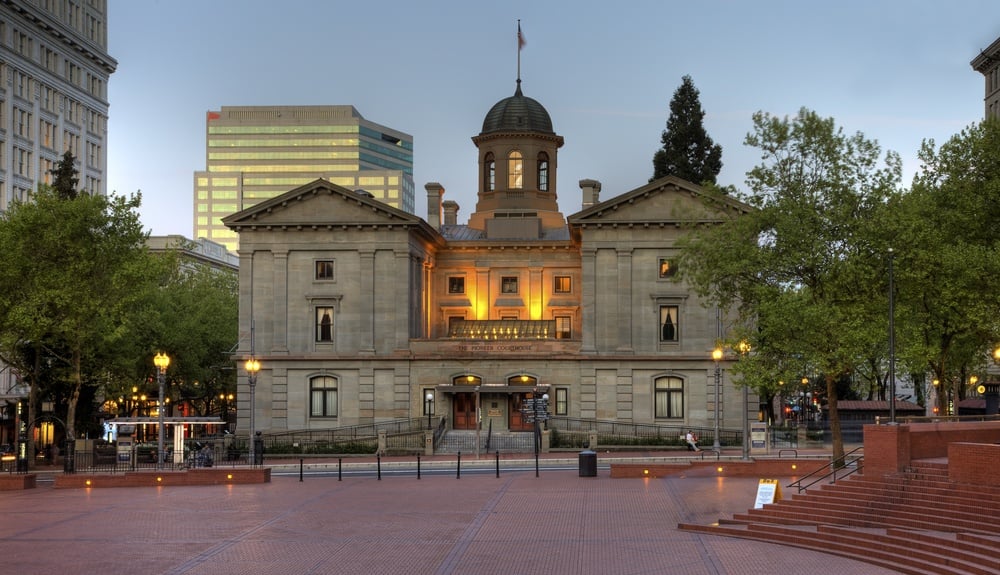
[837, 465]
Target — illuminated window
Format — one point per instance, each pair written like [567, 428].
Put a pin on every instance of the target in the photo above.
[456, 284]
[668, 268]
[562, 284]
[564, 327]
[515, 171]
[323, 397]
[543, 171]
[669, 398]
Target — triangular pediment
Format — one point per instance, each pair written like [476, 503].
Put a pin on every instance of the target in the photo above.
[321, 204]
[669, 200]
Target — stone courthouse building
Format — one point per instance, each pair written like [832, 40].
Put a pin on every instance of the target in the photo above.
[360, 312]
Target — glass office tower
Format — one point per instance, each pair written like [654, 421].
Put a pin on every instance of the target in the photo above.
[254, 153]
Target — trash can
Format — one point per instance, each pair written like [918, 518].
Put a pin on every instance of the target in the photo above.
[588, 463]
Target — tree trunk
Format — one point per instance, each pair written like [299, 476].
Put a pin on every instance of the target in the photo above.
[74, 397]
[838, 440]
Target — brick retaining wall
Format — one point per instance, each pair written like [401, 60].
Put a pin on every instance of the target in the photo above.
[17, 482]
[726, 468]
[200, 476]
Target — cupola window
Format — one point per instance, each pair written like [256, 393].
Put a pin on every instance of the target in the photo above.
[489, 173]
[543, 172]
[515, 171]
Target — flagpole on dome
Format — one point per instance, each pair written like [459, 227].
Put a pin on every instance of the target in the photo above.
[520, 45]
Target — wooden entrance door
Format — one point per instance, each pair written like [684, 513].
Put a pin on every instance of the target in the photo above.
[517, 422]
[465, 410]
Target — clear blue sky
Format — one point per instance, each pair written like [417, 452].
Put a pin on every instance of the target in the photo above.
[898, 71]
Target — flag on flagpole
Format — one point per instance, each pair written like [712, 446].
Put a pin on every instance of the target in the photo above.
[520, 37]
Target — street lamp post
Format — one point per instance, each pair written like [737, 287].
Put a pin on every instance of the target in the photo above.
[252, 366]
[717, 357]
[744, 348]
[161, 361]
[892, 345]
[429, 407]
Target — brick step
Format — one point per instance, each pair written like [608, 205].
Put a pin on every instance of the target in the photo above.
[861, 517]
[968, 542]
[898, 563]
[874, 542]
[969, 560]
[868, 489]
[965, 510]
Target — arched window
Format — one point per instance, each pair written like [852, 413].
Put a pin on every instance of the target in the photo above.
[669, 398]
[489, 173]
[543, 172]
[515, 171]
[323, 396]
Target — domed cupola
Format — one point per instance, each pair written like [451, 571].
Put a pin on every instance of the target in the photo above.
[517, 166]
[518, 113]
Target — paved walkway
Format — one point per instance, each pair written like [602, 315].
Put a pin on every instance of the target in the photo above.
[558, 523]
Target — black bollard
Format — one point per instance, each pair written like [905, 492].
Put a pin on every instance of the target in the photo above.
[301, 465]
[418, 466]
[340, 469]
[458, 468]
[536, 464]
[498, 463]
[378, 466]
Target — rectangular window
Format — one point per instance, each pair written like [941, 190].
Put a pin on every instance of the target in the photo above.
[324, 269]
[564, 327]
[562, 401]
[668, 268]
[324, 324]
[669, 398]
[508, 284]
[456, 284]
[668, 323]
[323, 397]
[562, 284]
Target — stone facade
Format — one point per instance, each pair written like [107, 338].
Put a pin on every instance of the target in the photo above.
[358, 311]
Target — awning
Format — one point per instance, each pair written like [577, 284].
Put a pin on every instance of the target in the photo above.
[492, 388]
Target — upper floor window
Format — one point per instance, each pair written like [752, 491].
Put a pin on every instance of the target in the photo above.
[324, 269]
[324, 324]
[508, 284]
[668, 268]
[456, 284]
[543, 171]
[489, 173]
[668, 398]
[562, 284]
[515, 171]
[668, 323]
[564, 327]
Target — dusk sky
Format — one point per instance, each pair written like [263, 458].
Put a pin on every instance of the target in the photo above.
[898, 71]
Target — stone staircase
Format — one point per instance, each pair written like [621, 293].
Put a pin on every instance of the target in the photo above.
[464, 441]
[917, 522]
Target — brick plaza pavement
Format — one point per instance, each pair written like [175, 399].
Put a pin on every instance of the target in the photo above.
[558, 523]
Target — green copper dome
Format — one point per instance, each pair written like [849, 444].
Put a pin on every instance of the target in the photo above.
[517, 113]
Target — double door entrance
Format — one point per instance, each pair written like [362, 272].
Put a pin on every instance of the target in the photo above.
[497, 407]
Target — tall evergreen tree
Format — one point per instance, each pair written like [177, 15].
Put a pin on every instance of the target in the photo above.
[688, 152]
[65, 177]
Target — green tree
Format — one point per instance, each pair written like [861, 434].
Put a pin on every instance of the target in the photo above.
[947, 254]
[803, 268]
[688, 152]
[65, 178]
[71, 272]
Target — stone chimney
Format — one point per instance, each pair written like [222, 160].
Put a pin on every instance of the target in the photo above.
[591, 192]
[435, 192]
[450, 212]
